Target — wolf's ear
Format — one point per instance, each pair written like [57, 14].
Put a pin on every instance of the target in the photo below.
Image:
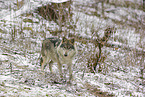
[64, 39]
[72, 40]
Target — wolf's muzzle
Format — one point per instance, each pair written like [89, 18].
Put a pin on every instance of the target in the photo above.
[65, 55]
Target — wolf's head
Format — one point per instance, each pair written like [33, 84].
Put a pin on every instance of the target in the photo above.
[67, 49]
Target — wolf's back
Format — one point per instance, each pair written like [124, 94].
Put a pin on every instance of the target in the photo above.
[49, 44]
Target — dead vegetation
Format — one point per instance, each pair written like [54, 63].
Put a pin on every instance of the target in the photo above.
[95, 91]
[61, 13]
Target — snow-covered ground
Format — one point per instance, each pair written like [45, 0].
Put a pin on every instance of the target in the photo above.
[123, 73]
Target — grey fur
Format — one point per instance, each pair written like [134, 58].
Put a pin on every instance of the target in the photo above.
[59, 51]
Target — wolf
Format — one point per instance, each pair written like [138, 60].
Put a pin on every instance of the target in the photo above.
[59, 51]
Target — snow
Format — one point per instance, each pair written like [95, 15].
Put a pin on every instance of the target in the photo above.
[3, 57]
[6, 78]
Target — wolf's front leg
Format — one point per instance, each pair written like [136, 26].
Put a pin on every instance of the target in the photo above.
[70, 71]
[60, 69]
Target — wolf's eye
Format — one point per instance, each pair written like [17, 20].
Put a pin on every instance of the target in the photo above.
[64, 46]
[71, 47]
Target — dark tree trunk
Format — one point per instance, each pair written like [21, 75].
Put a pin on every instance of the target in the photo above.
[107, 1]
[144, 5]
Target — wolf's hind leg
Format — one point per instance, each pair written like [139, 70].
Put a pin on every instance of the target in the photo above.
[43, 63]
[50, 66]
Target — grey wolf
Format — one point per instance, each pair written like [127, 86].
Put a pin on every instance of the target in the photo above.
[59, 51]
